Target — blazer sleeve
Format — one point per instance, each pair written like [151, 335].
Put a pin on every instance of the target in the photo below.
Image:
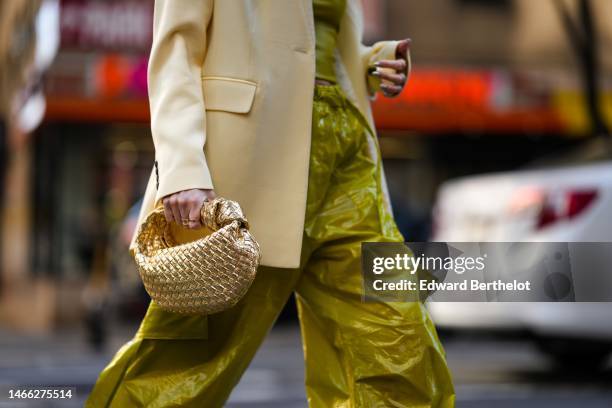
[382, 50]
[178, 122]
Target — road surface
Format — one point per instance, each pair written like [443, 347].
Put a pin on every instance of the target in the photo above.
[487, 372]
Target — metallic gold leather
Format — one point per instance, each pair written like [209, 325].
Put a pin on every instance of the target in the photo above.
[357, 354]
[204, 276]
[327, 16]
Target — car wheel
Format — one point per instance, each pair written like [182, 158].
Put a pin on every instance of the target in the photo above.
[576, 353]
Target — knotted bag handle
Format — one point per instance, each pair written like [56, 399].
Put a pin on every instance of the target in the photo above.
[214, 215]
[219, 212]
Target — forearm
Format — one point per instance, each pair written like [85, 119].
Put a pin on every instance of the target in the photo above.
[178, 122]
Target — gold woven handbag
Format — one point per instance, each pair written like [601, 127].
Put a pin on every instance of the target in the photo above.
[205, 276]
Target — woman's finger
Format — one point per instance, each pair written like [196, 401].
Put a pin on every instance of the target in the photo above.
[402, 48]
[399, 65]
[174, 207]
[168, 210]
[397, 79]
[210, 194]
[194, 214]
[391, 90]
[184, 206]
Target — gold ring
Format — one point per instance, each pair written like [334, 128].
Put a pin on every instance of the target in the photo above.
[185, 221]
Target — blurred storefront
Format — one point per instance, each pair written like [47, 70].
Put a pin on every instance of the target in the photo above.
[87, 163]
[494, 86]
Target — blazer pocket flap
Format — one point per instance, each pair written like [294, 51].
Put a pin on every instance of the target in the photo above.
[228, 94]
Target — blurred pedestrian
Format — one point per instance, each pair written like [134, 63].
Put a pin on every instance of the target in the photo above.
[259, 103]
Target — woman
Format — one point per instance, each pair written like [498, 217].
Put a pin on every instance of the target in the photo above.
[252, 101]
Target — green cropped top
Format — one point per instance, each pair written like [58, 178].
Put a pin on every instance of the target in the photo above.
[327, 16]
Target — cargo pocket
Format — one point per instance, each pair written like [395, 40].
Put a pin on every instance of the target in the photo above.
[161, 324]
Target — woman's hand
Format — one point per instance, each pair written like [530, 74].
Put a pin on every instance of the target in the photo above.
[394, 72]
[184, 207]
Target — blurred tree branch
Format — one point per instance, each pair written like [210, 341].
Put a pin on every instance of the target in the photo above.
[584, 40]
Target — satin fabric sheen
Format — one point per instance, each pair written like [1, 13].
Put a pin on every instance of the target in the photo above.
[356, 354]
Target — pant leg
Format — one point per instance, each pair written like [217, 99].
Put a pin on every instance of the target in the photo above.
[193, 361]
[358, 354]
[366, 354]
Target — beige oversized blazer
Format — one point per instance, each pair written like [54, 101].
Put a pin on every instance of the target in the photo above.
[230, 89]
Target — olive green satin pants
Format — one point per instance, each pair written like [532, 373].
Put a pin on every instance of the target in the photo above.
[357, 354]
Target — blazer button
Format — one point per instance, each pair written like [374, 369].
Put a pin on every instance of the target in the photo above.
[156, 176]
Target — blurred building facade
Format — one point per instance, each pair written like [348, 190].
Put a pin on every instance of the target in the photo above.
[495, 84]
[517, 34]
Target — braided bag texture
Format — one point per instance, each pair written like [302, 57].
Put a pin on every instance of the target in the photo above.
[205, 276]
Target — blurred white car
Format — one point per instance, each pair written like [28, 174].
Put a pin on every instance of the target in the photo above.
[567, 204]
